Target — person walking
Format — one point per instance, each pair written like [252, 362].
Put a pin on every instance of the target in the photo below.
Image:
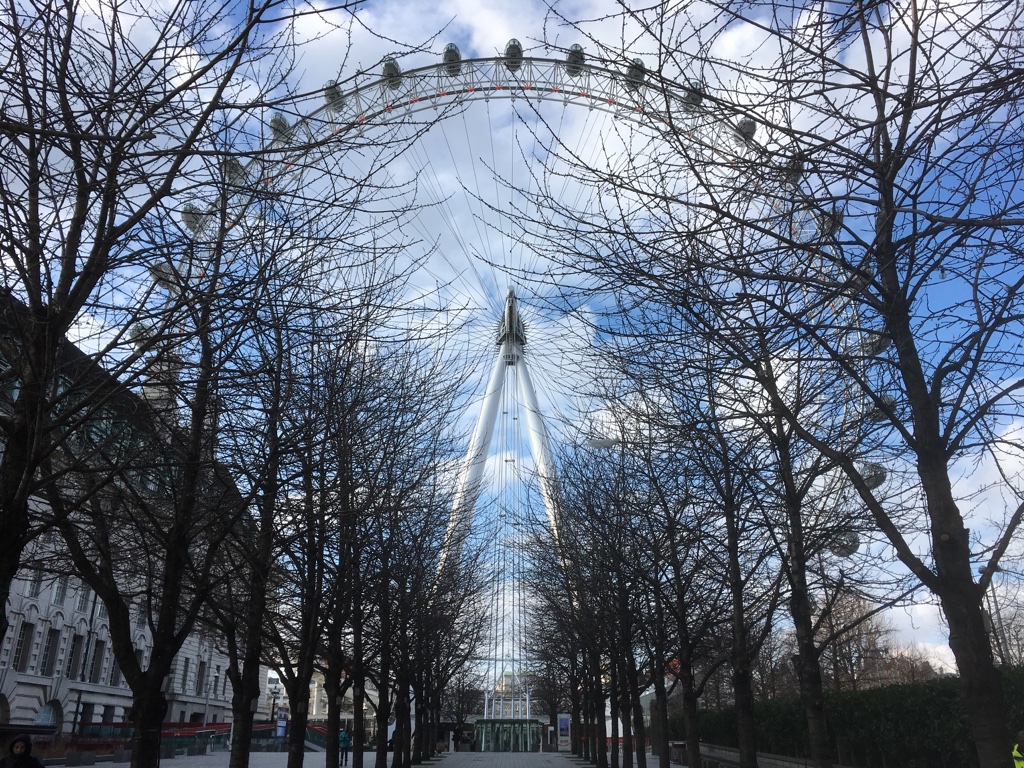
[20, 754]
[345, 741]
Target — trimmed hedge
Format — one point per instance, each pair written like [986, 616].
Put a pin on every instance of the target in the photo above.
[922, 725]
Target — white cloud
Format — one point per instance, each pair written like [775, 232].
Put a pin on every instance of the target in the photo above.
[922, 627]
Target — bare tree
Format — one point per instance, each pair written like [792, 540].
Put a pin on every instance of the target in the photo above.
[103, 118]
[463, 696]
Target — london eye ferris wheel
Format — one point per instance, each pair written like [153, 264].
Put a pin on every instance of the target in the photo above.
[476, 141]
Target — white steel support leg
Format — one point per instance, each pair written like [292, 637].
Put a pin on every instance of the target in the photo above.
[468, 489]
[511, 342]
[539, 445]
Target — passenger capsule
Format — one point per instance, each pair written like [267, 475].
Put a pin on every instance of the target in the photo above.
[140, 334]
[693, 94]
[636, 73]
[513, 55]
[574, 60]
[391, 73]
[452, 59]
[845, 544]
[876, 413]
[163, 276]
[829, 222]
[874, 474]
[279, 126]
[233, 170]
[333, 97]
[859, 281]
[875, 344]
[746, 128]
[793, 171]
[194, 218]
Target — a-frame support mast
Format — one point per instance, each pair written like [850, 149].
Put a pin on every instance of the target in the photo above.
[511, 341]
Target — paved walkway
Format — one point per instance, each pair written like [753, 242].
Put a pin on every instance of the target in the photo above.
[447, 760]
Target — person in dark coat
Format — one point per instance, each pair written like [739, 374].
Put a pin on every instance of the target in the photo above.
[20, 754]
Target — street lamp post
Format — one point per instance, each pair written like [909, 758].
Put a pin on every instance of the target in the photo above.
[275, 692]
[209, 687]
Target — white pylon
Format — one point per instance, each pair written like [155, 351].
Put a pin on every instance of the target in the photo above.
[511, 341]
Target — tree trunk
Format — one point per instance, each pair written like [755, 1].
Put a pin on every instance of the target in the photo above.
[660, 715]
[149, 709]
[691, 725]
[297, 726]
[576, 721]
[626, 751]
[597, 713]
[614, 712]
[383, 714]
[246, 684]
[981, 683]
[639, 738]
[743, 692]
[626, 737]
[12, 529]
[21, 446]
[400, 756]
[332, 686]
[358, 721]
[419, 730]
[241, 730]
[808, 672]
[953, 581]
[807, 660]
[359, 673]
[743, 695]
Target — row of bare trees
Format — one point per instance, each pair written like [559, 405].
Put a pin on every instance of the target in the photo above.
[684, 573]
[219, 392]
[815, 263]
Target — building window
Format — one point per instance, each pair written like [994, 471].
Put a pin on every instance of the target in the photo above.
[83, 599]
[184, 675]
[50, 647]
[23, 648]
[60, 590]
[36, 585]
[97, 661]
[74, 656]
[47, 715]
[115, 674]
[201, 678]
[102, 610]
[140, 620]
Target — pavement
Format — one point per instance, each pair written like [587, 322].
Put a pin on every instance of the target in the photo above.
[446, 760]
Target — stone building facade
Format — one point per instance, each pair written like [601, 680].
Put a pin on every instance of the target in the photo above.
[57, 668]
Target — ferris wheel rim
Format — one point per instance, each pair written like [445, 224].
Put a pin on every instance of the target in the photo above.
[367, 105]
